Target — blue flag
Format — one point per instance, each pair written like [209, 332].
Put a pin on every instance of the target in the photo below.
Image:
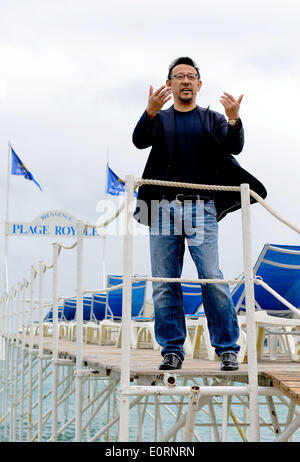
[18, 168]
[115, 186]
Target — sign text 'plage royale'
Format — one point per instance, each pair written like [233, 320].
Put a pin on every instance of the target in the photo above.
[51, 224]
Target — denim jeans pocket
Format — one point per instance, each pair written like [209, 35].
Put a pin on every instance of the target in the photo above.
[209, 207]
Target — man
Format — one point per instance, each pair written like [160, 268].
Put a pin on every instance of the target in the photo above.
[192, 145]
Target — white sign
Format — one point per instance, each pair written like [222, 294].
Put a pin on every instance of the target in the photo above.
[54, 223]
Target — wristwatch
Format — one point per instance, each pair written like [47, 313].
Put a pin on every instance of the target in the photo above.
[232, 121]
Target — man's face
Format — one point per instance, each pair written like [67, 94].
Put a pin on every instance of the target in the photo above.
[184, 89]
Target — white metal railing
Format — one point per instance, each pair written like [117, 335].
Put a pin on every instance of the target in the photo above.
[17, 313]
[18, 326]
[127, 390]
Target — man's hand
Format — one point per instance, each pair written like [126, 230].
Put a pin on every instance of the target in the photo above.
[231, 105]
[157, 100]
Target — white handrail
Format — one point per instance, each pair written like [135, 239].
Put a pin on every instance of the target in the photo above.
[18, 295]
[140, 182]
[249, 291]
[278, 296]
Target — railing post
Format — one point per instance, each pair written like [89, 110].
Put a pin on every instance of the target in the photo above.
[12, 366]
[126, 309]
[7, 361]
[191, 413]
[41, 305]
[55, 341]
[16, 377]
[22, 386]
[250, 314]
[31, 304]
[104, 270]
[40, 367]
[18, 333]
[79, 335]
[30, 354]
[1, 351]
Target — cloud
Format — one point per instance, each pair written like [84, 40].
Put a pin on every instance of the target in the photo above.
[74, 79]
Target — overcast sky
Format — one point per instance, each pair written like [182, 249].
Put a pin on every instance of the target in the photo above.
[74, 79]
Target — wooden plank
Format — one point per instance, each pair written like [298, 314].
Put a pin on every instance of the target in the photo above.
[287, 382]
[291, 384]
[144, 362]
[295, 390]
[286, 375]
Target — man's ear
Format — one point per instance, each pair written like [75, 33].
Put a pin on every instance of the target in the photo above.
[199, 84]
[168, 83]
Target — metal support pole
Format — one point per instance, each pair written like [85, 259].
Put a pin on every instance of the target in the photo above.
[16, 368]
[274, 416]
[2, 356]
[288, 431]
[210, 390]
[104, 269]
[5, 385]
[224, 418]
[79, 336]
[18, 348]
[40, 366]
[6, 220]
[212, 415]
[18, 335]
[12, 368]
[29, 411]
[250, 314]
[22, 360]
[126, 309]
[191, 414]
[55, 342]
[6, 369]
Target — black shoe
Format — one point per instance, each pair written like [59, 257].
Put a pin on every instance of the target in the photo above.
[171, 361]
[229, 361]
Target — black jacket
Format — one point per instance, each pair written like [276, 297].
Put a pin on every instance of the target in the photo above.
[221, 140]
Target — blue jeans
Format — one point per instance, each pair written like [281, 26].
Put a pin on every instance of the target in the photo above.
[195, 222]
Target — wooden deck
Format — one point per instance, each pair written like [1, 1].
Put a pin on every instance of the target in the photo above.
[283, 374]
[288, 382]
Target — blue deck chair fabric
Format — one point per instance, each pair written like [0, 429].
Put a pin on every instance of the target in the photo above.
[278, 267]
[192, 298]
[66, 312]
[70, 308]
[87, 308]
[49, 315]
[114, 302]
[98, 307]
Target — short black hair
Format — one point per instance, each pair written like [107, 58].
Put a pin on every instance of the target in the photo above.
[183, 60]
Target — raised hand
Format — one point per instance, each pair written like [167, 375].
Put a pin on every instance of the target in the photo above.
[231, 105]
[157, 100]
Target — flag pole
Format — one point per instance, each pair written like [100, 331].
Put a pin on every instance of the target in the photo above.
[6, 219]
[107, 162]
[104, 275]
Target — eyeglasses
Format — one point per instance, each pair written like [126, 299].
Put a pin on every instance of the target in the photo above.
[182, 76]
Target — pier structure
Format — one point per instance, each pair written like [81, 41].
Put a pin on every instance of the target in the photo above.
[66, 380]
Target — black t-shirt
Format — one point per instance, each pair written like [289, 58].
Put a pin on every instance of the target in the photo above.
[188, 163]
